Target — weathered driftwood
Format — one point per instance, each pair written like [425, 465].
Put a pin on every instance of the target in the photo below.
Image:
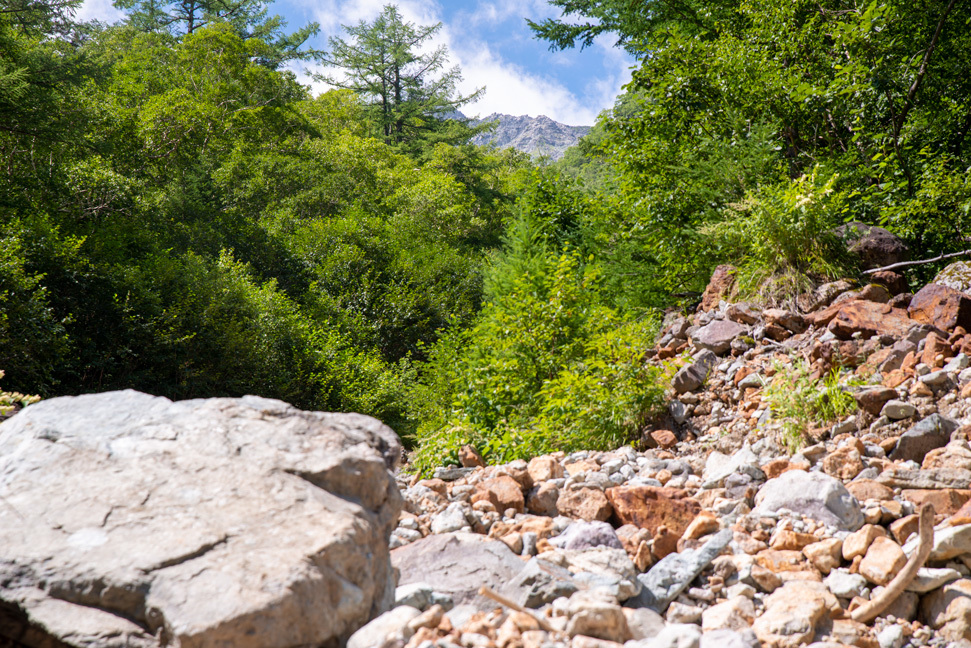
[869, 611]
[906, 264]
[498, 598]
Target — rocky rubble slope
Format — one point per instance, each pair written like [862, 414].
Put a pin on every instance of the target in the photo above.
[716, 533]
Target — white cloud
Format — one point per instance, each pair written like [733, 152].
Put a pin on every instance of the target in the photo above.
[101, 10]
[510, 87]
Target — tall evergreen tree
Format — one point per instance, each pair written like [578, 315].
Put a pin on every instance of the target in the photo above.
[248, 18]
[413, 94]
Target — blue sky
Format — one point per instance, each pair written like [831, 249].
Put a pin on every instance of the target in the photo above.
[491, 43]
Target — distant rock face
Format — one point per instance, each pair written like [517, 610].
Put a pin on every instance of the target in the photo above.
[534, 135]
[132, 520]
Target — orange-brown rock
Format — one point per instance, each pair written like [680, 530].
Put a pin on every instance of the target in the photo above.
[544, 468]
[894, 282]
[517, 470]
[541, 525]
[869, 318]
[781, 560]
[637, 544]
[825, 555]
[585, 504]
[882, 561]
[542, 499]
[705, 523]
[786, 539]
[907, 526]
[857, 543]
[936, 349]
[864, 489]
[649, 507]
[665, 542]
[469, 457]
[942, 307]
[875, 293]
[503, 492]
[873, 400]
[664, 438]
[719, 287]
[962, 515]
[852, 633]
[586, 465]
[843, 463]
[946, 501]
[777, 332]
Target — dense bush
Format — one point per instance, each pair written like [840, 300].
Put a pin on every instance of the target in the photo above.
[548, 364]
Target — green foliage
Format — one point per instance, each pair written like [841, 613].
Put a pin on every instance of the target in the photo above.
[734, 97]
[247, 18]
[412, 95]
[547, 364]
[799, 401]
[782, 237]
[11, 402]
[188, 221]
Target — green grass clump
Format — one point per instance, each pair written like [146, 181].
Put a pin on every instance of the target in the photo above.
[798, 401]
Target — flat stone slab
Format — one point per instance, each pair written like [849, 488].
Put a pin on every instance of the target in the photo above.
[131, 520]
[458, 564]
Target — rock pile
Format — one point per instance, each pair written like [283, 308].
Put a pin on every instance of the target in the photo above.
[715, 533]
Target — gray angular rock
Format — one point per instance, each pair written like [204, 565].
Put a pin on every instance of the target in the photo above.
[719, 466]
[673, 573]
[540, 582]
[896, 410]
[458, 564]
[586, 535]
[730, 639]
[814, 494]
[693, 375]
[241, 522]
[926, 435]
[926, 479]
[385, 629]
[717, 336]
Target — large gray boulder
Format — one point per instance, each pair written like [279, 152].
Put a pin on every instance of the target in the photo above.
[928, 434]
[815, 495]
[718, 335]
[458, 564]
[132, 520]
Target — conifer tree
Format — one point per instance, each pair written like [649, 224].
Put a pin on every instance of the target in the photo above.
[412, 94]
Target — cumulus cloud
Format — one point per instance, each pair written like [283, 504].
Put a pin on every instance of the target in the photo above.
[511, 86]
[101, 10]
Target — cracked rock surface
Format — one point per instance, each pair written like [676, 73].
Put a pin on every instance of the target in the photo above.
[132, 520]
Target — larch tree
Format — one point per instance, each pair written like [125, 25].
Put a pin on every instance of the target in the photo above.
[412, 93]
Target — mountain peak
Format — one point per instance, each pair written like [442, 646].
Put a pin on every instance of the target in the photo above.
[534, 135]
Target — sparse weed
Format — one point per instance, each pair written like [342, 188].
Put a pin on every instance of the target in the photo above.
[798, 400]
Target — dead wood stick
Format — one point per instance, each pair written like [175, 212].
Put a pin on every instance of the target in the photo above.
[905, 264]
[868, 612]
[498, 598]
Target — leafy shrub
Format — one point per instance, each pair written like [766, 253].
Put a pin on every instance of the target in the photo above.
[782, 237]
[12, 402]
[798, 400]
[546, 367]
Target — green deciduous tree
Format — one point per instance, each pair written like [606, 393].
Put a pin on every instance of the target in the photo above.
[413, 94]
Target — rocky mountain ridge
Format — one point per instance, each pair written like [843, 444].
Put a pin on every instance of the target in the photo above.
[538, 136]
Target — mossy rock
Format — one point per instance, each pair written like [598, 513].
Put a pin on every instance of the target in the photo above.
[956, 276]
